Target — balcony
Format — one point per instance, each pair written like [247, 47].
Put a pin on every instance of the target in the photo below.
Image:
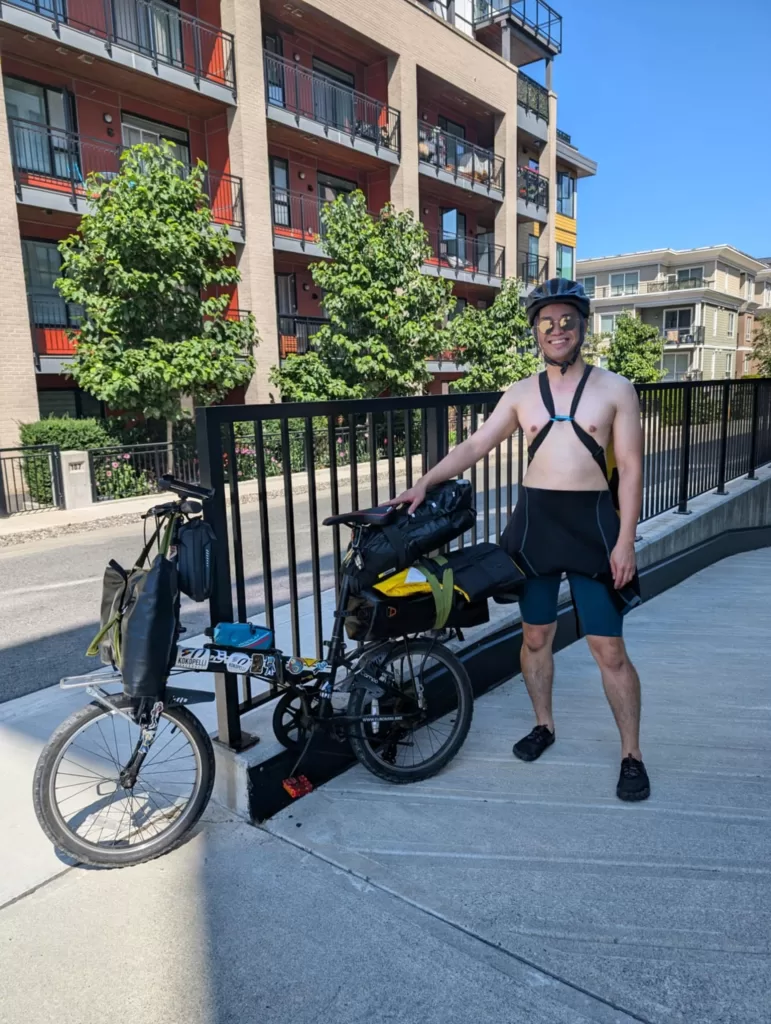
[297, 225]
[533, 107]
[680, 336]
[50, 168]
[53, 321]
[532, 270]
[459, 162]
[304, 99]
[295, 333]
[146, 35]
[471, 258]
[537, 28]
[675, 284]
[532, 195]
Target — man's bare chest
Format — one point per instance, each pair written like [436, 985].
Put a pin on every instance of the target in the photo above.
[595, 413]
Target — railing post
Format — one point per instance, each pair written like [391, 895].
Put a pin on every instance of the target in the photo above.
[109, 29]
[436, 435]
[210, 452]
[3, 501]
[685, 458]
[197, 53]
[57, 484]
[92, 475]
[723, 438]
[754, 429]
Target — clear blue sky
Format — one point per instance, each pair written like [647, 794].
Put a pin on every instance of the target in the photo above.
[672, 98]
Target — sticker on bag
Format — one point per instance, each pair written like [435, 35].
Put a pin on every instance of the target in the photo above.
[194, 658]
[239, 664]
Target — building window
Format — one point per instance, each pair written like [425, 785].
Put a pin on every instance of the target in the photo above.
[678, 325]
[138, 130]
[729, 364]
[690, 277]
[42, 266]
[676, 365]
[565, 261]
[41, 118]
[747, 362]
[748, 328]
[608, 322]
[750, 288]
[714, 323]
[590, 285]
[625, 284]
[70, 402]
[279, 180]
[566, 194]
[731, 324]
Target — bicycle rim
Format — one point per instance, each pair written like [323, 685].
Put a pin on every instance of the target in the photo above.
[431, 731]
[90, 803]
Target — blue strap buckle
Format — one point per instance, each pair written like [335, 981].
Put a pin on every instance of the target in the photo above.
[562, 419]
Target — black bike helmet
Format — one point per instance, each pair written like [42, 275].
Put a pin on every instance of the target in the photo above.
[557, 289]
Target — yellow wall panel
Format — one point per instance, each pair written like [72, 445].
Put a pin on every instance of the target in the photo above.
[565, 230]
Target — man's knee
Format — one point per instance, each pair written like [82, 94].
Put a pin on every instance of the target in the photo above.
[609, 652]
[538, 638]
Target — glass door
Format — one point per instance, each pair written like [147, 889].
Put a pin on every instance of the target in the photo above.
[453, 238]
[454, 149]
[329, 188]
[333, 99]
[678, 324]
[531, 268]
[40, 122]
[274, 70]
[279, 179]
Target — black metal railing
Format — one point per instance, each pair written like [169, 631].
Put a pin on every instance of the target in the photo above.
[532, 96]
[60, 161]
[563, 137]
[674, 284]
[334, 456]
[310, 94]
[533, 187]
[470, 254]
[533, 270]
[683, 335]
[458, 157]
[534, 16]
[295, 333]
[30, 478]
[131, 470]
[164, 34]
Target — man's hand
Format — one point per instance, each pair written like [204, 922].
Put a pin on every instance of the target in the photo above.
[623, 563]
[413, 497]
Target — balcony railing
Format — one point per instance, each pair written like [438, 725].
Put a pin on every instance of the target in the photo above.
[679, 284]
[564, 137]
[59, 161]
[471, 254]
[533, 187]
[154, 29]
[534, 16]
[532, 97]
[309, 94]
[458, 157]
[295, 333]
[531, 269]
[684, 335]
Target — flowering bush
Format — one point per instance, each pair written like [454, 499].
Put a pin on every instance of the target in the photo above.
[115, 477]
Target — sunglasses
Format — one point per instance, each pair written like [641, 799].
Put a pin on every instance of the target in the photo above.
[567, 322]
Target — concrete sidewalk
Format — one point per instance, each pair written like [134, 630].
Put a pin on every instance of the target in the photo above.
[498, 892]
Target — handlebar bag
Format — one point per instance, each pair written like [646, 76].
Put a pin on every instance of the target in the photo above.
[196, 543]
[446, 513]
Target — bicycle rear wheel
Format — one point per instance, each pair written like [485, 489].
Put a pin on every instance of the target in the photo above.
[87, 812]
[419, 748]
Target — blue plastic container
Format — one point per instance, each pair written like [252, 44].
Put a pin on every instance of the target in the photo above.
[243, 634]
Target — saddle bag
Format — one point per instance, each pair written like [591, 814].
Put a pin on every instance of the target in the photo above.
[446, 513]
[373, 615]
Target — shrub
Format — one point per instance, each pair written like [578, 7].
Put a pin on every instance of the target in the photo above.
[117, 478]
[68, 433]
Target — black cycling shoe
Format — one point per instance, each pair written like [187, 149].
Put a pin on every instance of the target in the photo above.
[633, 782]
[531, 747]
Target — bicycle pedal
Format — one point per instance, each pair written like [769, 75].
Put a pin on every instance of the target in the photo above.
[297, 786]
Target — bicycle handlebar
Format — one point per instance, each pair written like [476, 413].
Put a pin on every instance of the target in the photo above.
[169, 483]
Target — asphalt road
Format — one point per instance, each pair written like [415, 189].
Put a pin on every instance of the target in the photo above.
[50, 590]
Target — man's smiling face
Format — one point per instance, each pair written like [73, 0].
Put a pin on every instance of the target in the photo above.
[559, 330]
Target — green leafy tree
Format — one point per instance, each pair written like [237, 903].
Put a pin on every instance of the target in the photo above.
[138, 266]
[495, 345]
[761, 345]
[595, 347]
[386, 317]
[635, 351]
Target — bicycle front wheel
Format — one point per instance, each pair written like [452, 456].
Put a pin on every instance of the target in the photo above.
[428, 684]
[87, 807]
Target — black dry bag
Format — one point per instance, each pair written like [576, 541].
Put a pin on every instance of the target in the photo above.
[149, 629]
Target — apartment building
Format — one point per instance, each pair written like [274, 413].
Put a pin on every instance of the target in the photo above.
[704, 303]
[417, 102]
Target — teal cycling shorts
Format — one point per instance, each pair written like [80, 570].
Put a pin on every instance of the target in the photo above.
[597, 612]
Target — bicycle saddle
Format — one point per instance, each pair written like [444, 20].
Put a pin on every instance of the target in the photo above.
[380, 516]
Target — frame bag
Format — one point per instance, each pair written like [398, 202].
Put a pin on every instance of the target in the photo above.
[196, 559]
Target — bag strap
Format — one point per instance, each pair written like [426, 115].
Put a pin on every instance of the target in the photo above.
[397, 543]
[443, 590]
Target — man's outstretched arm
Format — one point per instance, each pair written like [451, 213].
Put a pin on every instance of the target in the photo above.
[627, 448]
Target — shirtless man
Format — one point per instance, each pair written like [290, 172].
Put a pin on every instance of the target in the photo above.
[566, 519]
